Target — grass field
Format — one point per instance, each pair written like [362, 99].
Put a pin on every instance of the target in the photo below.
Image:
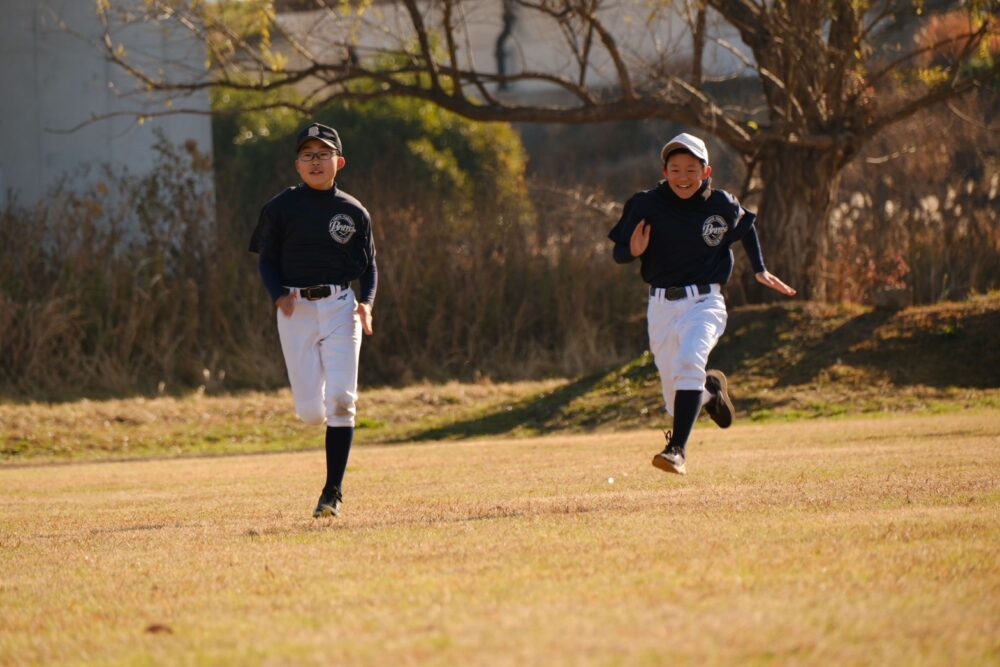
[785, 362]
[847, 541]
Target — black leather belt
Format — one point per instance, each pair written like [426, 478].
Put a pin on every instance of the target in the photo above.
[319, 291]
[678, 293]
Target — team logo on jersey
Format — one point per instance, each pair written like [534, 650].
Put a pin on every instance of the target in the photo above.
[342, 228]
[713, 229]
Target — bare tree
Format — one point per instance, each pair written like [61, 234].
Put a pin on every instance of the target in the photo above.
[817, 80]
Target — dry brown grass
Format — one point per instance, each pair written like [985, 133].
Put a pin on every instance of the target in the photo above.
[824, 542]
[251, 422]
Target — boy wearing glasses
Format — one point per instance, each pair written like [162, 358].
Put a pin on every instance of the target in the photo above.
[313, 240]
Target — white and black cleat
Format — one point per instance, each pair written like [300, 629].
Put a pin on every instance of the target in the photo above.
[329, 504]
[720, 407]
[670, 459]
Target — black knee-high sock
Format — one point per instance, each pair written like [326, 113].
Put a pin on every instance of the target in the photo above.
[338, 448]
[687, 405]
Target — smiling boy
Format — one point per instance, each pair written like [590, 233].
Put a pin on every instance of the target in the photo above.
[313, 240]
[682, 231]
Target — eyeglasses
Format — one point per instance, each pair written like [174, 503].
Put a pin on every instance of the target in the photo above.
[319, 155]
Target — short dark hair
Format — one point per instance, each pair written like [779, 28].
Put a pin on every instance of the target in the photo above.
[685, 151]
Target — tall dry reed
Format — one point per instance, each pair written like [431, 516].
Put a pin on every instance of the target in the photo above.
[144, 284]
[141, 285]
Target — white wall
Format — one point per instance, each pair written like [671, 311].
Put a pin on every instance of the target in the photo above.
[52, 80]
[536, 43]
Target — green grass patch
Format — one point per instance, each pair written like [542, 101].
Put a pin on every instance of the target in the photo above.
[787, 362]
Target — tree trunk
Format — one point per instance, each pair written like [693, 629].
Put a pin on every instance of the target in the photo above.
[799, 188]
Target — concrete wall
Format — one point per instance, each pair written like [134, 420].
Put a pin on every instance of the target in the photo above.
[54, 77]
[536, 42]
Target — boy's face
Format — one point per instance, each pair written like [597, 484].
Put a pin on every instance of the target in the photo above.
[318, 164]
[684, 174]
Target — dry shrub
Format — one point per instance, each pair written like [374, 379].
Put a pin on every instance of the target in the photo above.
[920, 209]
[145, 285]
[496, 297]
[483, 272]
[125, 287]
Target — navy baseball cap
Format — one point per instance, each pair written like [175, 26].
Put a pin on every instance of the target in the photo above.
[687, 142]
[327, 135]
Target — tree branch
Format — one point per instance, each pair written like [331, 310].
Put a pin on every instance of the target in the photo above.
[938, 95]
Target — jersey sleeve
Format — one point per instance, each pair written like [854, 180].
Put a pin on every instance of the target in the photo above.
[369, 238]
[739, 219]
[368, 283]
[270, 274]
[743, 229]
[751, 245]
[621, 233]
[266, 238]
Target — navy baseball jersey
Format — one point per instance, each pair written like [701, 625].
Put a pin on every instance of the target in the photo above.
[690, 239]
[316, 237]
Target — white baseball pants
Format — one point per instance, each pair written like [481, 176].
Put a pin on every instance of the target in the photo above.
[682, 334]
[321, 342]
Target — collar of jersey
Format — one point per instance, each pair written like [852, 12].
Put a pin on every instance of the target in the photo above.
[701, 196]
[320, 193]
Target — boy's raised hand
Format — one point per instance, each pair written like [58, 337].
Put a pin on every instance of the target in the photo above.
[639, 241]
[766, 279]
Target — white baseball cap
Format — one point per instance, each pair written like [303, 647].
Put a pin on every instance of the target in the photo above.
[686, 141]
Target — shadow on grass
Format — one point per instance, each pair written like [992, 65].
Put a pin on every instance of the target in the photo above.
[939, 353]
[535, 413]
[832, 347]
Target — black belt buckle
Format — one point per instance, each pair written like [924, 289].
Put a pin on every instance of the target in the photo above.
[676, 293]
[315, 293]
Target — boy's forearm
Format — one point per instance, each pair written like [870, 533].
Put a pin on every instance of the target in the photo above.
[368, 284]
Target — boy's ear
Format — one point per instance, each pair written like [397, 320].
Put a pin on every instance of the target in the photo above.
[341, 162]
[708, 172]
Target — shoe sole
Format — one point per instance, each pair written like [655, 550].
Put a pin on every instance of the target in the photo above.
[324, 512]
[720, 377]
[666, 466]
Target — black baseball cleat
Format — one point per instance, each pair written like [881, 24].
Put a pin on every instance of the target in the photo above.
[719, 407]
[671, 459]
[329, 503]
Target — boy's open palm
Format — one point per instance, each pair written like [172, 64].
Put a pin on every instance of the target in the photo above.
[640, 238]
[768, 280]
